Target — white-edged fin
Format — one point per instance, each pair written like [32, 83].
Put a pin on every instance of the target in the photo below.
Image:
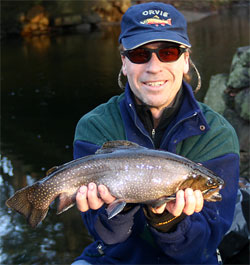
[159, 202]
[66, 201]
[112, 146]
[115, 207]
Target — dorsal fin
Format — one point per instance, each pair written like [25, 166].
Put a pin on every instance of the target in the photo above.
[112, 146]
[51, 170]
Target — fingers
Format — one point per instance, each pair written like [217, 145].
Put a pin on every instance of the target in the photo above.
[93, 200]
[176, 207]
[199, 201]
[87, 197]
[105, 194]
[81, 199]
[187, 201]
[159, 209]
[193, 201]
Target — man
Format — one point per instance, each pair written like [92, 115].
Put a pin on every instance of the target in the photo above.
[158, 110]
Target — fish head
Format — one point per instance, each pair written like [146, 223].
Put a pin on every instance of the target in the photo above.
[208, 183]
[214, 185]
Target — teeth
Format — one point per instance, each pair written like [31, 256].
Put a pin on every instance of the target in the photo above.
[159, 83]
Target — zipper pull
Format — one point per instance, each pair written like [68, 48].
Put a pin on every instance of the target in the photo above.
[153, 134]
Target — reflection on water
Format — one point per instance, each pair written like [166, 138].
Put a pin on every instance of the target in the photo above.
[47, 85]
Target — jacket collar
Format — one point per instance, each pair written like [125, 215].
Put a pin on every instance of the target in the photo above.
[189, 113]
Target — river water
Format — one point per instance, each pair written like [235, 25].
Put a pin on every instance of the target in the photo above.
[47, 84]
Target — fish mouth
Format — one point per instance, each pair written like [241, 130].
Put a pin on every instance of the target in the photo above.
[213, 195]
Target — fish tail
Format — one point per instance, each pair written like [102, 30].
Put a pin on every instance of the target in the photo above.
[20, 202]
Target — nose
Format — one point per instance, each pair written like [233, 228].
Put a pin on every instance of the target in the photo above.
[154, 64]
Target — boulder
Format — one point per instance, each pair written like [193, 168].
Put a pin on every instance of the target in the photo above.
[240, 70]
[229, 94]
[215, 94]
[242, 101]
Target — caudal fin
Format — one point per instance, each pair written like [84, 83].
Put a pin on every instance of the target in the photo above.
[20, 203]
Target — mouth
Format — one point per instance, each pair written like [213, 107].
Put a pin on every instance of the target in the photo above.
[155, 84]
[212, 195]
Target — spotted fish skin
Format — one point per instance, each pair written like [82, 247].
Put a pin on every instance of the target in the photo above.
[133, 174]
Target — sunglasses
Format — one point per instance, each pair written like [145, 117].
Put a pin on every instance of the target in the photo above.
[143, 55]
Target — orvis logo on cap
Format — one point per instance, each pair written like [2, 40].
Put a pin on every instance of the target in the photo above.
[155, 19]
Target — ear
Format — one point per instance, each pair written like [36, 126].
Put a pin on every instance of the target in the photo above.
[124, 68]
[186, 63]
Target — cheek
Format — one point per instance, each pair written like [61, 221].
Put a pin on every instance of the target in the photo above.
[130, 70]
[181, 68]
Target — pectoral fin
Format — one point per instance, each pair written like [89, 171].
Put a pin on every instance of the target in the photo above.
[115, 207]
[159, 202]
[65, 202]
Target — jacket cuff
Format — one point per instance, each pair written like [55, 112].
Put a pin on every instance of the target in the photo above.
[165, 222]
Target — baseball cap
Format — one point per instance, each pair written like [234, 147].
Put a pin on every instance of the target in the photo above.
[152, 21]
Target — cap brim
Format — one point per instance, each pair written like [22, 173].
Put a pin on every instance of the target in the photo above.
[141, 39]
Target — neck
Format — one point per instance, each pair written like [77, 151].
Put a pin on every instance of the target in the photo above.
[155, 111]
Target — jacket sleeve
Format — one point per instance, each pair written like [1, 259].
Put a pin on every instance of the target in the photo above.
[198, 235]
[113, 231]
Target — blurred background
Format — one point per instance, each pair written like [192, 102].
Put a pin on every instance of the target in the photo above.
[60, 59]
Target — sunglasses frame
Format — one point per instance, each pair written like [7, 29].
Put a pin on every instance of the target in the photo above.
[180, 49]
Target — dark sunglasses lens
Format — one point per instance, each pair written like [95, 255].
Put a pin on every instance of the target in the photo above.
[139, 56]
[170, 54]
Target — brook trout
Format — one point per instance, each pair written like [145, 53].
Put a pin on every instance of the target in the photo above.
[133, 174]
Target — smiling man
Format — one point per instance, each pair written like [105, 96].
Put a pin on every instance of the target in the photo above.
[158, 110]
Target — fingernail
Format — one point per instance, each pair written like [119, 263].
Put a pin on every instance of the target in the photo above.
[180, 193]
[91, 186]
[189, 192]
[82, 190]
[101, 190]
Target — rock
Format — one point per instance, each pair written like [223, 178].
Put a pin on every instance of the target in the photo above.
[215, 94]
[241, 127]
[36, 22]
[111, 11]
[240, 70]
[83, 28]
[229, 94]
[242, 101]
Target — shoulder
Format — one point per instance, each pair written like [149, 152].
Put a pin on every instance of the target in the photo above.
[104, 123]
[218, 124]
[219, 140]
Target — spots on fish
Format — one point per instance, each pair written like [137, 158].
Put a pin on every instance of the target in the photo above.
[156, 180]
[135, 175]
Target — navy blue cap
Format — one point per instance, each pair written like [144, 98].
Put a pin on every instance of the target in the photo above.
[152, 21]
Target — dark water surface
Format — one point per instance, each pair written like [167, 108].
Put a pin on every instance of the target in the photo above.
[47, 84]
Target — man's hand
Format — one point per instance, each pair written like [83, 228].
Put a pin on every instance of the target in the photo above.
[187, 202]
[87, 198]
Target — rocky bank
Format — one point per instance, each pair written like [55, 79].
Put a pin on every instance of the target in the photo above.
[35, 18]
[229, 94]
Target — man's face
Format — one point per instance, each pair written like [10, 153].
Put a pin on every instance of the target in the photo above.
[156, 83]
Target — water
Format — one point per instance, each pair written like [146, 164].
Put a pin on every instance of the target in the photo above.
[47, 84]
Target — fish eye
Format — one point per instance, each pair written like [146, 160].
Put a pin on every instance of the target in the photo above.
[210, 182]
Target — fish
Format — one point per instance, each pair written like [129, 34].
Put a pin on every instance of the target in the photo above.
[132, 173]
[157, 21]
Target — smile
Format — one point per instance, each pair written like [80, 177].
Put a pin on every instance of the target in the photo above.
[155, 84]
